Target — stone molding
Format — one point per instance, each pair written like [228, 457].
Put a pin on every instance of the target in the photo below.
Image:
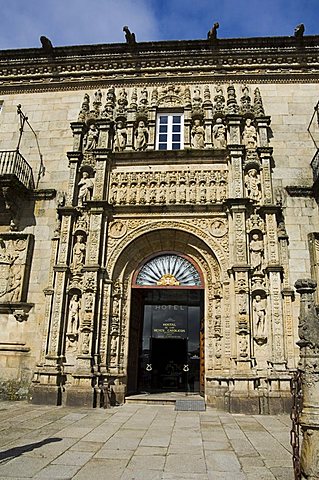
[256, 58]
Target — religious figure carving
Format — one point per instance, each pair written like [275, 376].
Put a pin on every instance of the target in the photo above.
[219, 134]
[259, 309]
[74, 315]
[122, 100]
[198, 135]
[141, 136]
[253, 185]
[78, 253]
[249, 134]
[197, 100]
[243, 347]
[85, 189]
[90, 139]
[120, 137]
[14, 282]
[256, 248]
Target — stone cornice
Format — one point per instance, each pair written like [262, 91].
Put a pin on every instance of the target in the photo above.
[277, 59]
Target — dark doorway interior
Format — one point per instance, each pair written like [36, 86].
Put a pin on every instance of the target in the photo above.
[165, 349]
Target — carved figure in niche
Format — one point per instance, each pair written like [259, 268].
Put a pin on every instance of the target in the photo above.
[153, 192]
[78, 253]
[192, 191]
[172, 192]
[90, 139]
[133, 194]
[219, 134]
[218, 347]
[182, 192]
[122, 193]
[198, 135]
[85, 189]
[89, 302]
[74, 315]
[141, 136]
[162, 193]
[259, 309]
[202, 191]
[249, 134]
[120, 137]
[256, 248]
[143, 193]
[253, 185]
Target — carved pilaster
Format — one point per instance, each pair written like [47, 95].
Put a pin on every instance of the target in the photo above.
[74, 161]
[187, 126]
[208, 123]
[105, 134]
[265, 155]
[234, 122]
[236, 168]
[78, 130]
[239, 234]
[151, 127]
[262, 127]
[101, 181]
[272, 257]
[309, 368]
[276, 320]
[131, 114]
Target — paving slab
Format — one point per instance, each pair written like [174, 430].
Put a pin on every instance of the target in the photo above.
[141, 442]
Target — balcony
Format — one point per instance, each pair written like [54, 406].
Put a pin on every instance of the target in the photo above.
[16, 184]
[15, 169]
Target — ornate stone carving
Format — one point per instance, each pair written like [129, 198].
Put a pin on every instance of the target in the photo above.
[85, 186]
[253, 185]
[78, 256]
[198, 135]
[91, 138]
[117, 229]
[15, 256]
[256, 248]
[249, 137]
[219, 134]
[259, 315]
[258, 104]
[73, 321]
[218, 228]
[120, 137]
[141, 136]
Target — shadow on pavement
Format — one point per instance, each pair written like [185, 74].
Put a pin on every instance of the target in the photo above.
[17, 451]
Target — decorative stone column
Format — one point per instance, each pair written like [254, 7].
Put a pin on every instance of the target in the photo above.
[309, 368]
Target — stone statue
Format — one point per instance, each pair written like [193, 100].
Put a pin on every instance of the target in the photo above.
[219, 134]
[256, 248]
[78, 253]
[46, 44]
[141, 136]
[85, 189]
[259, 309]
[120, 137]
[129, 36]
[74, 315]
[90, 141]
[198, 135]
[253, 185]
[249, 135]
[299, 30]
[212, 34]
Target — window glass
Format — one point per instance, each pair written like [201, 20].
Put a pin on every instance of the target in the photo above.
[169, 130]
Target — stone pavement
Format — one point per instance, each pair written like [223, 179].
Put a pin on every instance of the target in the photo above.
[141, 442]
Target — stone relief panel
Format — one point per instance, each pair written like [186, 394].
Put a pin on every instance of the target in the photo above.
[176, 187]
[15, 260]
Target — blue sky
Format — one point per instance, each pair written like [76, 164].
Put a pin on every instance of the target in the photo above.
[74, 22]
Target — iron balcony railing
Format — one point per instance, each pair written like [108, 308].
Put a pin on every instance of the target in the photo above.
[13, 163]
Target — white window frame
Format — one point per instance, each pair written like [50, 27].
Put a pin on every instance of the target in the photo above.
[170, 132]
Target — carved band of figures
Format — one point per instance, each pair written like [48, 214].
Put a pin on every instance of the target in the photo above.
[169, 188]
[13, 259]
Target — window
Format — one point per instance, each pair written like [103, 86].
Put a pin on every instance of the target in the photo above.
[170, 129]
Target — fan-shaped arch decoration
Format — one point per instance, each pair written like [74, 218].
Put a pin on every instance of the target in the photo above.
[168, 270]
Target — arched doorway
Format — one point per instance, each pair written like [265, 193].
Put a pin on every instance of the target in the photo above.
[166, 347]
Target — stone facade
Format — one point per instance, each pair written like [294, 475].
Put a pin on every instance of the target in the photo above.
[235, 198]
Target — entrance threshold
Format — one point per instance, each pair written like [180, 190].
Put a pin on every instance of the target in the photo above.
[162, 398]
